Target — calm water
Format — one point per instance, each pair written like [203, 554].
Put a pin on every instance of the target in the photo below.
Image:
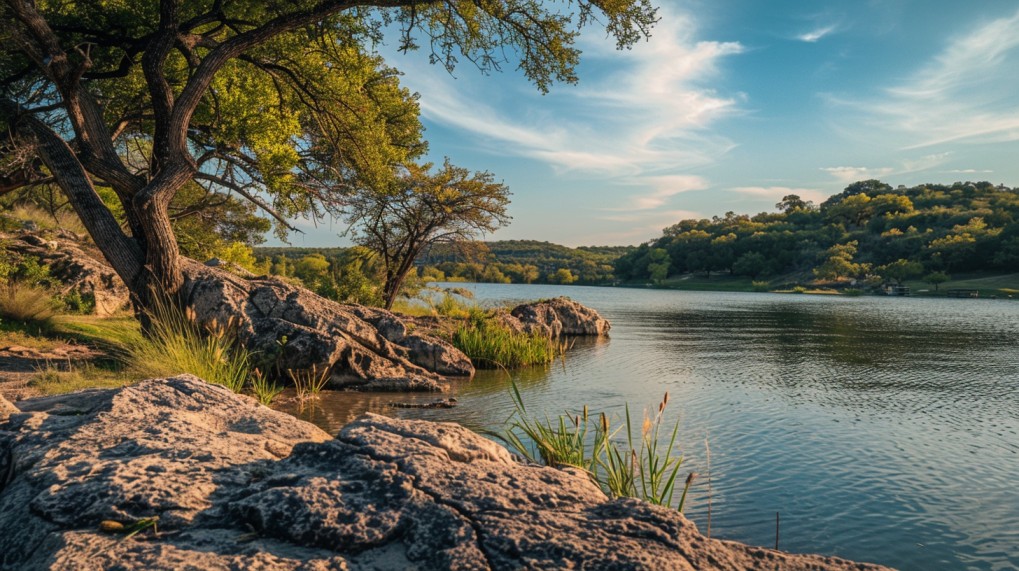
[881, 429]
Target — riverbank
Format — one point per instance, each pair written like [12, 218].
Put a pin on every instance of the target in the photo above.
[1001, 286]
[176, 472]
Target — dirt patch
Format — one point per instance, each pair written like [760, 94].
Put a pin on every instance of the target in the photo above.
[18, 364]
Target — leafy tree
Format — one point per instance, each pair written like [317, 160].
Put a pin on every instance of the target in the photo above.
[792, 203]
[901, 270]
[277, 103]
[659, 266]
[751, 264]
[936, 279]
[562, 276]
[839, 262]
[420, 209]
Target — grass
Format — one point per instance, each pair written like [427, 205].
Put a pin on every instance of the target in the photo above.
[177, 344]
[54, 380]
[646, 467]
[308, 383]
[490, 344]
[1002, 285]
[29, 304]
[264, 389]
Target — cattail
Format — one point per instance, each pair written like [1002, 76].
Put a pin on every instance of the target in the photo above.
[604, 424]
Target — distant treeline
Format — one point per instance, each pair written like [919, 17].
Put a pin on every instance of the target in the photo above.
[505, 261]
[870, 231]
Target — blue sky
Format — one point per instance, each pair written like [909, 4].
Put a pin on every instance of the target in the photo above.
[731, 105]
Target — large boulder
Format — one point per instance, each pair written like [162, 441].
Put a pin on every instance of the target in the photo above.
[74, 266]
[560, 316]
[361, 347]
[6, 409]
[235, 485]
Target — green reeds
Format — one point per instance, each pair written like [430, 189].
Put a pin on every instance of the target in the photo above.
[308, 382]
[264, 389]
[490, 344]
[647, 470]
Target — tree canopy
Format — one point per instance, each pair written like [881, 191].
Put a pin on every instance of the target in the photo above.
[870, 228]
[279, 104]
[422, 208]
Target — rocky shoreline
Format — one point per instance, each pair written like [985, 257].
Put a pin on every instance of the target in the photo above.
[232, 484]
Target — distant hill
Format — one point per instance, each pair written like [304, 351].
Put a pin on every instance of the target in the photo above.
[870, 232]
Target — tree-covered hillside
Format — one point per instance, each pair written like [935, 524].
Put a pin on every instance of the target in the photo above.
[868, 231]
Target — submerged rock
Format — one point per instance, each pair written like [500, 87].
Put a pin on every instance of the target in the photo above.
[235, 485]
[560, 316]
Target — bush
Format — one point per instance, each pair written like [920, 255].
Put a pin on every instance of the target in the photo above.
[799, 289]
[27, 303]
[759, 286]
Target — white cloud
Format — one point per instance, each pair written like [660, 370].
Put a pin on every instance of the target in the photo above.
[778, 192]
[967, 171]
[967, 93]
[664, 187]
[853, 174]
[906, 166]
[816, 34]
[650, 115]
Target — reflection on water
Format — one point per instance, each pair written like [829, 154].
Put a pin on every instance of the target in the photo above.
[882, 429]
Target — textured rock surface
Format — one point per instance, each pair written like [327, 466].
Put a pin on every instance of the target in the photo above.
[73, 267]
[361, 346]
[238, 486]
[560, 316]
[6, 409]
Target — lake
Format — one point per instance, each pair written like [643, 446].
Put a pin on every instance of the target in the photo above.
[880, 429]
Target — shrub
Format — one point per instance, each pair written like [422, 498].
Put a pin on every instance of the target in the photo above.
[27, 303]
[799, 289]
[761, 286]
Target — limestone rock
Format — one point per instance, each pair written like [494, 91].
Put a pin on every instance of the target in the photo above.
[74, 267]
[238, 486]
[6, 409]
[361, 346]
[560, 316]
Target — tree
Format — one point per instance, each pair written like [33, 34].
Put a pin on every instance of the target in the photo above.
[839, 262]
[277, 103]
[561, 276]
[936, 279]
[792, 203]
[659, 266]
[420, 209]
[901, 270]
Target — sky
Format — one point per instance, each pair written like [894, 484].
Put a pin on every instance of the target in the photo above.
[729, 106]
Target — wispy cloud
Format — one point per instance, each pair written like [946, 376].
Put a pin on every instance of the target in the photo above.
[816, 34]
[969, 92]
[650, 115]
[778, 192]
[663, 188]
[906, 166]
[853, 174]
[968, 171]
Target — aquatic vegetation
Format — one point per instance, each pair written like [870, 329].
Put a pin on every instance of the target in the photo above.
[491, 344]
[308, 382]
[644, 467]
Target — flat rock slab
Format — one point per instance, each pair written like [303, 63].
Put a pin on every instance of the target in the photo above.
[236, 485]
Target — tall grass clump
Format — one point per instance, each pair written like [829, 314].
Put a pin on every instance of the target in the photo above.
[308, 383]
[491, 344]
[644, 464]
[264, 389]
[27, 303]
[175, 343]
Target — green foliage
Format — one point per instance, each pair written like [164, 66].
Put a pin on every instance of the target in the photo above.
[27, 303]
[177, 344]
[936, 279]
[490, 344]
[962, 227]
[647, 470]
[399, 221]
[75, 302]
[265, 389]
[760, 286]
[901, 270]
[308, 383]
